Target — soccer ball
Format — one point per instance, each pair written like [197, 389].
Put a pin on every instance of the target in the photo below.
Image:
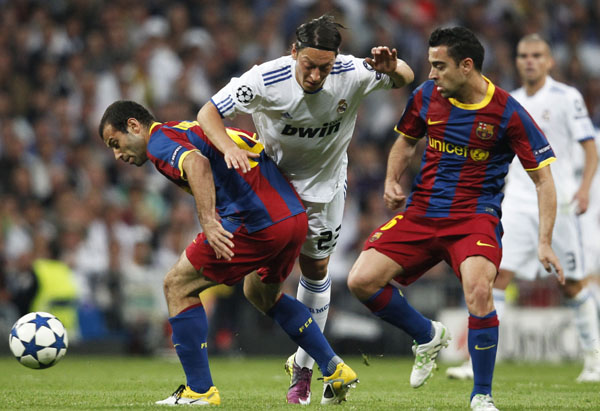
[38, 340]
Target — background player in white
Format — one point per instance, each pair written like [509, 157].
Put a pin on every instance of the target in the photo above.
[560, 112]
[590, 230]
[304, 106]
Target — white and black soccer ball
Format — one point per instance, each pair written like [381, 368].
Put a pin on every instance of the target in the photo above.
[38, 340]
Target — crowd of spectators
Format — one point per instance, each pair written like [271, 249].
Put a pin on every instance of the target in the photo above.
[119, 228]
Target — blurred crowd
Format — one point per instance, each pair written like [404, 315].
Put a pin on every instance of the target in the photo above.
[116, 229]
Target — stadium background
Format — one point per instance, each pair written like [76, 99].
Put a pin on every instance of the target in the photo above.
[97, 236]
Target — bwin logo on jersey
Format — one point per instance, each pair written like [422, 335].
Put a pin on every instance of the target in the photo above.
[310, 132]
[244, 94]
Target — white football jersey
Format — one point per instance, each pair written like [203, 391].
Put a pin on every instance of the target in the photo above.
[307, 134]
[559, 110]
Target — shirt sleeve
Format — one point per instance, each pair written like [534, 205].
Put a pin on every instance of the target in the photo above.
[242, 94]
[167, 154]
[369, 78]
[528, 141]
[579, 121]
[411, 124]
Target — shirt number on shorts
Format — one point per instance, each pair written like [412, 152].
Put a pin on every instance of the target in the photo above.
[392, 222]
[570, 261]
[327, 236]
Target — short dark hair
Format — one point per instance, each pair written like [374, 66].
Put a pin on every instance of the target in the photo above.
[120, 111]
[461, 43]
[321, 33]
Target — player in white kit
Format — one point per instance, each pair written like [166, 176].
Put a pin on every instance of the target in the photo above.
[559, 110]
[304, 107]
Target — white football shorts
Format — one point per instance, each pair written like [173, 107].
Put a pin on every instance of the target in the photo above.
[520, 244]
[324, 224]
[590, 229]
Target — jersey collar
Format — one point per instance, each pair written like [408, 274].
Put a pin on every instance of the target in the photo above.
[488, 97]
[155, 124]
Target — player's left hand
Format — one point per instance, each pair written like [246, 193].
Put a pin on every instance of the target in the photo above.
[383, 60]
[581, 199]
[550, 262]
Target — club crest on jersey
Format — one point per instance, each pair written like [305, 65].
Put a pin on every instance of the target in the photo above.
[484, 131]
[244, 94]
[342, 106]
[546, 115]
[375, 236]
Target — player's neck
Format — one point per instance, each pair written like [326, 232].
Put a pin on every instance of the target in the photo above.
[476, 92]
[533, 87]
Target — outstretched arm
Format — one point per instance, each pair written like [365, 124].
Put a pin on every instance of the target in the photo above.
[400, 155]
[546, 194]
[212, 124]
[200, 179]
[387, 62]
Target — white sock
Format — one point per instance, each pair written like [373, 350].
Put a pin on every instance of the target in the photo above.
[594, 288]
[586, 321]
[316, 295]
[499, 301]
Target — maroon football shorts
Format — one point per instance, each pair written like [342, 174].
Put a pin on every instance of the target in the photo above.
[418, 243]
[272, 251]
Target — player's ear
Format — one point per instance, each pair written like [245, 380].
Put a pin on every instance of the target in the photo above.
[466, 65]
[294, 51]
[133, 125]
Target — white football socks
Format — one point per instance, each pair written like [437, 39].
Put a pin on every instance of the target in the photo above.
[316, 295]
[586, 320]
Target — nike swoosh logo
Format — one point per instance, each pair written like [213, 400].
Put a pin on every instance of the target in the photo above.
[479, 243]
[477, 347]
[176, 345]
[431, 122]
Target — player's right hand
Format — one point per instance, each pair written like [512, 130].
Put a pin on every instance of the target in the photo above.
[393, 195]
[219, 239]
[238, 158]
[551, 262]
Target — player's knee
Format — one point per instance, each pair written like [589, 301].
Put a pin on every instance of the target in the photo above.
[170, 287]
[479, 299]
[572, 288]
[359, 285]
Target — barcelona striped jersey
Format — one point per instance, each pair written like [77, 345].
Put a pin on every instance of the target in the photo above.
[256, 199]
[469, 148]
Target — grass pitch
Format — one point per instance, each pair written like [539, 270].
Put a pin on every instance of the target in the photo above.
[95, 383]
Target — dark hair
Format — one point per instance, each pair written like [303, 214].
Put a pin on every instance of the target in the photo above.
[120, 111]
[321, 33]
[461, 43]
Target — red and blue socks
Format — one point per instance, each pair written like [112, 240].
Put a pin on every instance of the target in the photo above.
[483, 344]
[390, 305]
[296, 321]
[190, 330]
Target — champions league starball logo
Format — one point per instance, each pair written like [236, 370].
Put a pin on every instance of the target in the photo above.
[244, 94]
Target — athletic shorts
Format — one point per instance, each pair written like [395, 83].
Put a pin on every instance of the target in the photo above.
[418, 243]
[324, 224]
[521, 244]
[589, 222]
[272, 251]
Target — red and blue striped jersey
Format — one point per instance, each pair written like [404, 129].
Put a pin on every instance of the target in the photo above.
[469, 148]
[256, 199]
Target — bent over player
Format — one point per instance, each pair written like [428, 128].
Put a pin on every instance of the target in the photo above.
[304, 107]
[253, 227]
[473, 129]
